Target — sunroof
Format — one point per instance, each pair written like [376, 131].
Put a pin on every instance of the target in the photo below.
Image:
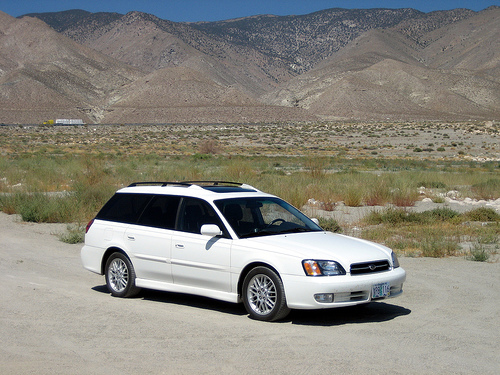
[228, 189]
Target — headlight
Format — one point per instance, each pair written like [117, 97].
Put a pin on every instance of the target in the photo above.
[395, 261]
[322, 268]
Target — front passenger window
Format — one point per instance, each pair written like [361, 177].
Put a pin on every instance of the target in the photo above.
[195, 213]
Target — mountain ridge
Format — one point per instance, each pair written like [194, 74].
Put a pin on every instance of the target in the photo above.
[369, 64]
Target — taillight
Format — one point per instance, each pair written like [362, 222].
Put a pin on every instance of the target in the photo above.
[89, 225]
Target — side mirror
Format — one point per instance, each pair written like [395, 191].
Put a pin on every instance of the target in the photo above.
[210, 230]
[315, 221]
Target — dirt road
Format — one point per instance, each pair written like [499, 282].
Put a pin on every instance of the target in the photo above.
[57, 318]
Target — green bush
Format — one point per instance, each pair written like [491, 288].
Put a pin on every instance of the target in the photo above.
[395, 216]
[438, 247]
[42, 208]
[74, 234]
[440, 214]
[478, 253]
[481, 214]
[330, 224]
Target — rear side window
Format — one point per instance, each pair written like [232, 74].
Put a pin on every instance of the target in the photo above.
[124, 208]
[161, 212]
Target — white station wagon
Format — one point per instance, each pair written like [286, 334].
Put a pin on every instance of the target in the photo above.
[232, 242]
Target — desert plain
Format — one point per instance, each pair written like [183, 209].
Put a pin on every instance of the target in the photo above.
[57, 318]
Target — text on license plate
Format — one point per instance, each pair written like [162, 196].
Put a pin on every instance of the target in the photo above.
[381, 290]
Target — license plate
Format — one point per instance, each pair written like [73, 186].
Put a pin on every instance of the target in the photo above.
[381, 290]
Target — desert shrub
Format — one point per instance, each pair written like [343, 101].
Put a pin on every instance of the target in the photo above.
[353, 197]
[42, 208]
[209, 147]
[481, 214]
[10, 202]
[393, 216]
[239, 170]
[316, 166]
[89, 198]
[74, 234]
[330, 224]
[440, 214]
[379, 194]
[489, 189]
[479, 253]
[404, 197]
[92, 186]
[489, 237]
[439, 246]
[438, 199]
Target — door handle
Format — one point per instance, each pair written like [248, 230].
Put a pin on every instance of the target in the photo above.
[179, 246]
[131, 238]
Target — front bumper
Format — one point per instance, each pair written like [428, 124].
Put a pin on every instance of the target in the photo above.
[347, 290]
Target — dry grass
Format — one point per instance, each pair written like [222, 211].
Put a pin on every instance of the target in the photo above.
[329, 163]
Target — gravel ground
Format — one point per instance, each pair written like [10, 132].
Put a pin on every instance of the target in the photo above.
[57, 318]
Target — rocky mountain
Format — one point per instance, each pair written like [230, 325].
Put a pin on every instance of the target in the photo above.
[44, 74]
[448, 73]
[337, 63]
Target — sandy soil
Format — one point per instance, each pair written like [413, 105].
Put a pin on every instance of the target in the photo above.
[57, 318]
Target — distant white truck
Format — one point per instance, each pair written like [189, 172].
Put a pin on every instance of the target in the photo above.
[71, 121]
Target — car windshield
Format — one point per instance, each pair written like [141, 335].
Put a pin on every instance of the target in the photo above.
[252, 217]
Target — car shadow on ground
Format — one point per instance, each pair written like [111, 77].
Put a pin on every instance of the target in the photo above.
[372, 312]
[185, 300]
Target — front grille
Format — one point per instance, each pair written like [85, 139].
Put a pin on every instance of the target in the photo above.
[370, 267]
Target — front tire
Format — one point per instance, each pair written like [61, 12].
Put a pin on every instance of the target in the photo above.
[120, 276]
[264, 295]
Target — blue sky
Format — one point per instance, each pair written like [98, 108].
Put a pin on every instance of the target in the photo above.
[215, 10]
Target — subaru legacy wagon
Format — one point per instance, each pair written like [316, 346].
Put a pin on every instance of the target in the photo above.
[231, 242]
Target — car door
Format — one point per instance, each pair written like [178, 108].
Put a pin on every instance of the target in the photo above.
[150, 240]
[199, 260]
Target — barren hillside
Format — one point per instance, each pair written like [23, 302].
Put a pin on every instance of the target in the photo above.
[184, 95]
[385, 74]
[45, 75]
[359, 64]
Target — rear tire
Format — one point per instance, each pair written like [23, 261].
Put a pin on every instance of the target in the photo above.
[120, 276]
[264, 295]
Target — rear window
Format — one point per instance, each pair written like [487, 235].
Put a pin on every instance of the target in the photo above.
[124, 207]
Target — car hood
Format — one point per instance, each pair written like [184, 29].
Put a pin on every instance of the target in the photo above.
[324, 246]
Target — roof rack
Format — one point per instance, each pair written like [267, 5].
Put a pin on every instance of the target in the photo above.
[214, 183]
[187, 183]
[164, 183]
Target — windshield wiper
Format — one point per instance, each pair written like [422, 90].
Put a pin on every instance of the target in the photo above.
[296, 230]
[265, 232]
